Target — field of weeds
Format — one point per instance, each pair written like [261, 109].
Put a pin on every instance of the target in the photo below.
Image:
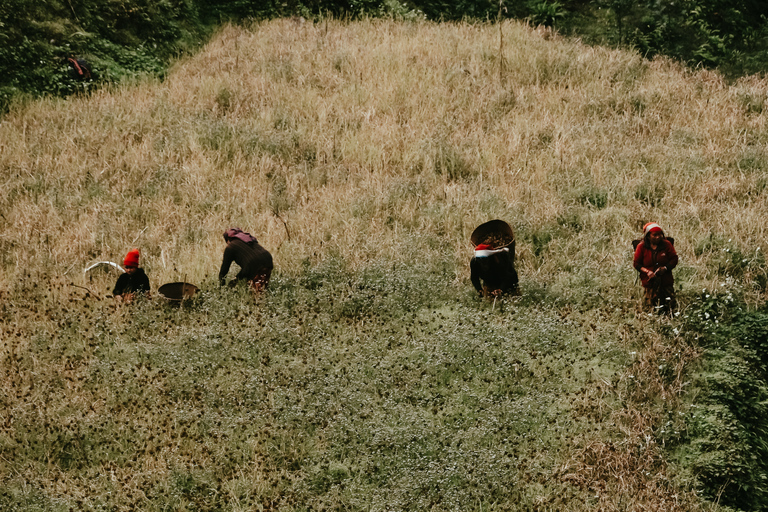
[369, 376]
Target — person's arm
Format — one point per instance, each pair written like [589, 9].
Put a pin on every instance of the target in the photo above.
[143, 285]
[474, 274]
[672, 256]
[509, 270]
[508, 260]
[637, 262]
[119, 288]
[670, 260]
[226, 262]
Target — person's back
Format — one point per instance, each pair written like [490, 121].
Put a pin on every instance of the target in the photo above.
[492, 271]
[131, 282]
[254, 260]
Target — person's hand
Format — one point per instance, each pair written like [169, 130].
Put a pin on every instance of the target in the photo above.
[650, 273]
[660, 271]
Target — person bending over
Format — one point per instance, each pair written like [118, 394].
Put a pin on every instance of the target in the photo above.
[255, 261]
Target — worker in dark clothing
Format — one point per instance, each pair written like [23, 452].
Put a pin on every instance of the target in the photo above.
[492, 271]
[255, 261]
[133, 281]
[79, 69]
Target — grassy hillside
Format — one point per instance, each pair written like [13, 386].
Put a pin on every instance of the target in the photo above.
[369, 377]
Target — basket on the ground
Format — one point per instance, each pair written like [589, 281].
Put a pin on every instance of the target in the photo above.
[176, 292]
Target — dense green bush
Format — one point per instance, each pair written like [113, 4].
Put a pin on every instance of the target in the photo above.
[729, 35]
[726, 436]
[118, 40]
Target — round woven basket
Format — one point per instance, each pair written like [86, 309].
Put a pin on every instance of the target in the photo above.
[495, 233]
[176, 292]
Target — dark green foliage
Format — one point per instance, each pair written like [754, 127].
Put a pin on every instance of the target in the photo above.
[224, 10]
[132, 37]
[727, 34]
[455, 10]
[546, 13]
[118, 39]
[726, 436]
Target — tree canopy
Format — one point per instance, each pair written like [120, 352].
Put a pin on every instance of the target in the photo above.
[124, 38]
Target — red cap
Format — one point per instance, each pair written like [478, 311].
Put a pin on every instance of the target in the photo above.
[651, 227]
[132, 259]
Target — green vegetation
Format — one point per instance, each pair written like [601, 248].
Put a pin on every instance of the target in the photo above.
[723, 438]
[120, 40]
[386, 388]
[125, 39]
[362, 155]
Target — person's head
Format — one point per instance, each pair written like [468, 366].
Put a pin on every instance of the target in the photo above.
[131, 261]
[653, 233]
[238, 234]
[231, 233]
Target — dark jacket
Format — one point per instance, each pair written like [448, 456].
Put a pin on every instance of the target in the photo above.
[495, 273]
[132, 283]
[253, 259]
[664, 256]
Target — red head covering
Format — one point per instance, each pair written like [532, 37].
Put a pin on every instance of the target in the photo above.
[132, 259]
[651, 227]
[239, 234]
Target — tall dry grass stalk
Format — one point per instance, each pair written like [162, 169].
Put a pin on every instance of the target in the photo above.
[380, 139]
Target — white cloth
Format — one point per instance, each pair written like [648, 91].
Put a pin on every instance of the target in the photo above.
[484, 253]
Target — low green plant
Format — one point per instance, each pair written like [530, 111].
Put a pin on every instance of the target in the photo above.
[724, 437]
[546, 13]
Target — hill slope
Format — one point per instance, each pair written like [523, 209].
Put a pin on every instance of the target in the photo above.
[362, 155]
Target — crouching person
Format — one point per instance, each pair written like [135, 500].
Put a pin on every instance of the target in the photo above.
[133, 281]
[255, 261]
[655, 257]
[492, 271]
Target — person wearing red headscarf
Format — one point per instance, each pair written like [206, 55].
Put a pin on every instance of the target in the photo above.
[133, 281]
[254, 260]
[655, 257]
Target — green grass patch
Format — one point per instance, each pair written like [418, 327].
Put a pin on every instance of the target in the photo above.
[386, 388]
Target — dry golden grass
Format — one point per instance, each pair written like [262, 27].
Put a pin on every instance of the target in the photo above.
[369, 138]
